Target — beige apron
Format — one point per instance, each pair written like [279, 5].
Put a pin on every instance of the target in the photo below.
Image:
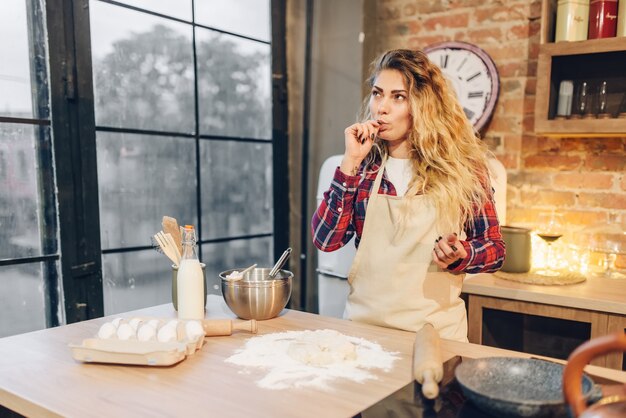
[393, 280]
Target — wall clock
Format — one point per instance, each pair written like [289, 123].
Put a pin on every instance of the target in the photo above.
[473, 75]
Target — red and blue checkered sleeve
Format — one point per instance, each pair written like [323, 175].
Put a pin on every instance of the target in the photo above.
[332, 226]
[484, 245]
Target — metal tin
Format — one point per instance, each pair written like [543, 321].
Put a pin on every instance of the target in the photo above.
[602, 19]
[518, 249]
[572, 20]
[621, 19]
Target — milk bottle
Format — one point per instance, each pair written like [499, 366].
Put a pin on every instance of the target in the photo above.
[190, 279]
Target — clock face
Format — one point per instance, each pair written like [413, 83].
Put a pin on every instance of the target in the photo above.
[473, 75]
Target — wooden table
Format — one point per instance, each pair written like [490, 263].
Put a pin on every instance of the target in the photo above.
[598, 301]
[38, 376]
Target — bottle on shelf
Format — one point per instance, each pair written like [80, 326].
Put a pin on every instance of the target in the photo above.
[602, 109]
[572, 20]
[602, 19]
[190, 280]
[581, 100]
[564, 105]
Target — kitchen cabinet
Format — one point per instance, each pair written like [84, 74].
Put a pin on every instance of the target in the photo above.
[592, 61]
[595, 307]
[39, 377]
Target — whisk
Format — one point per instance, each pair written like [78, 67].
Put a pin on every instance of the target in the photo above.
[165, 244]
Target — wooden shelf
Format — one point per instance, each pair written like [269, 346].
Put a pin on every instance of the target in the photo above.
[597, 59]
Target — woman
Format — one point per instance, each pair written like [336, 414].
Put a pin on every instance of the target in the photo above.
[432, 217]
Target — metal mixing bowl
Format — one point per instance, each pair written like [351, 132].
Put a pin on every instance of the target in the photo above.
[256, 296]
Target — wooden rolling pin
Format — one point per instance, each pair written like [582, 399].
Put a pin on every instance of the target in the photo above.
[427, 363]
[216, 327]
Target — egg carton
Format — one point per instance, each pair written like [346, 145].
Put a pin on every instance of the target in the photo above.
[141, 341]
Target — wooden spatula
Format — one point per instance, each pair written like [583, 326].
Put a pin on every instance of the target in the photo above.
[170, 226]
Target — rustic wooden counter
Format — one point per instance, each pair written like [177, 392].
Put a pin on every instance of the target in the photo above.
[600, 302]
[38, 376]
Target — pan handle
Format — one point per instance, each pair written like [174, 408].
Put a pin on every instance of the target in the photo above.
[572, 375]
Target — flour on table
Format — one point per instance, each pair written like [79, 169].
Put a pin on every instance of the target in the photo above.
[298, 359]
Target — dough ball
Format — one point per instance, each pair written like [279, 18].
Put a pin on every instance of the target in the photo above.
[146, 332]
[107, 331]
[321, 348]
[125, 332]
[116, 322]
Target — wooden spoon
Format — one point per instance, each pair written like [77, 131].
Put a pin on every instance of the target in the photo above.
[170, 226]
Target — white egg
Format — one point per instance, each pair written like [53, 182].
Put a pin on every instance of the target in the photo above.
[125, 332]
[146, 333]
[107, 331]
[134, 323]
[172, 323]
[154, 323]
[167, 333]
[194, 330]
[116, 322]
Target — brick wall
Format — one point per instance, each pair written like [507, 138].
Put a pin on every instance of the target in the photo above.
[582, 177]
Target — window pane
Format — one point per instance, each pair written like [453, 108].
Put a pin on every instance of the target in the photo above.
[236, 181]
[22, 63]
[234, 86]
[180, 9]
[244, 17]
[143, 70]
[234, 254]
[142, 178]
[135, 280]
[19, 197]
[22, 299]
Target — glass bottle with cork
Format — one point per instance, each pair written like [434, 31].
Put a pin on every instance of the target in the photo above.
[190, 280]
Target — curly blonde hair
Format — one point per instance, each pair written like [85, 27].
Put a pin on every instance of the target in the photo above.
[448, 158]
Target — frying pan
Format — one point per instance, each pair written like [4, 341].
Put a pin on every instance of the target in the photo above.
[516, 387]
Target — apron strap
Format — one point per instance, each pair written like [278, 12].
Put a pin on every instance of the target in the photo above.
[379, 178]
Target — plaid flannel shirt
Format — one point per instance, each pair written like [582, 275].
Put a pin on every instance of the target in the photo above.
[342, 214]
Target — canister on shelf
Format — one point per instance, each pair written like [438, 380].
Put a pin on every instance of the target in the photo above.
[621, 19]
[602, 19]
[566, 92]
[572, 20]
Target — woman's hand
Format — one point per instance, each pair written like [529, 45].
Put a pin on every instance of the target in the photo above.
[359, 139]
[447, 250]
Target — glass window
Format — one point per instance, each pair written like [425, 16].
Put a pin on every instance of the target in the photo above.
[21, 60]
[143, 70]
[236, 179]
[135, 280]
[22, 299]
[180, 9]
[19, 190]
[243, 17]
[141, 178]
[234, 86]
[238, 254]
